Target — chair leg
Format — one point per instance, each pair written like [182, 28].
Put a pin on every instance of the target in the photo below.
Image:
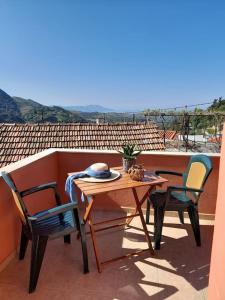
[82, 235]
[84, 248]
[38, 249]
[181, 216]
[155, 220]
[148, 211]
[77, 219]
[67, 239]
[194, 218]
[158, 221]
[23, 244]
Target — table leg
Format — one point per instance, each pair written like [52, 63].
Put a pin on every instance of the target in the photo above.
[93, 237]
[138, 205]
[87, 217]
[136, 210]
[129, 219]
[88, 209]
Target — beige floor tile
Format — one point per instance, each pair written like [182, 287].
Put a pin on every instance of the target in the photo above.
[178, 271]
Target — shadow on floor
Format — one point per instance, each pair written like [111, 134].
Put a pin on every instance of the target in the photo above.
[179, 268]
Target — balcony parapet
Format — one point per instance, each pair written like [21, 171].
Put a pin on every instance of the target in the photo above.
[54, 164]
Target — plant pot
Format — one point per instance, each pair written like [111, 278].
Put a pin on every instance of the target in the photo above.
[127, 163]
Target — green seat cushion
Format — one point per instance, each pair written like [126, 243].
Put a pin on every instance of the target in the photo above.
[178, 200]
[158, 192]
[180, 196]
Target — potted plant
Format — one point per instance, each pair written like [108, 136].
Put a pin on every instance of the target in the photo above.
[129, 154]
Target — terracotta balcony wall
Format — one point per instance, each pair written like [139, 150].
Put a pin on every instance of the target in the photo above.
[69, 161]
[53, 165]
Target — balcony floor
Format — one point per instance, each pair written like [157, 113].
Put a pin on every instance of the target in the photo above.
[178, 271]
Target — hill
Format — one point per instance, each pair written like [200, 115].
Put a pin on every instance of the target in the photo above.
[9, 111]
[112, 117]
[89, 108]
[35, 112]
[20, 110]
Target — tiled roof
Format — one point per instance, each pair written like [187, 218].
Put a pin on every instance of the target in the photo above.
[214, 139]
[18, 141]
[169, 134]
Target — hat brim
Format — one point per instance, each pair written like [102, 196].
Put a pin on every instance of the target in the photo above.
[114, 175]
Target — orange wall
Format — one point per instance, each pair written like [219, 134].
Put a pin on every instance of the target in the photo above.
[70, 162]
[55, 166]
[217, 269]
[9, 223]
[38, 172]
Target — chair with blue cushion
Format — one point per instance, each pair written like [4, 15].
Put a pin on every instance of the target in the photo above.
[53, 223]
[181, 198]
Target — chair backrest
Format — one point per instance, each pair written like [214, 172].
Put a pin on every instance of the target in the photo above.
[16, 196]
[197, 172]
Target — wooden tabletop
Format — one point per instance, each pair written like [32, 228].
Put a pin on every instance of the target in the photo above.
[123, 182]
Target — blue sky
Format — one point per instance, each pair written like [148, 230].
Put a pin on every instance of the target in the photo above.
[116, 53]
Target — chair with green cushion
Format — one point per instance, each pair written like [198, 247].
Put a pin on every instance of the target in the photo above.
[181, 198]
[53, 223]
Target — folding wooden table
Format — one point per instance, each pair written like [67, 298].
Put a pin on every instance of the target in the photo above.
[91, 190]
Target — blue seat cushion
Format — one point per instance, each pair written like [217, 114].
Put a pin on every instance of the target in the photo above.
[55, 225]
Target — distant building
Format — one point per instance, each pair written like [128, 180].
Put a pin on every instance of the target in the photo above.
[200, 138]
[214, 139]
[168, 134]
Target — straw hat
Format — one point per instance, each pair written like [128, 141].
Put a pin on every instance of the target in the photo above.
[101, 167]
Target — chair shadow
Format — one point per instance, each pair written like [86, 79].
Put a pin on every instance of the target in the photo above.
[185, 258]
[189, 261]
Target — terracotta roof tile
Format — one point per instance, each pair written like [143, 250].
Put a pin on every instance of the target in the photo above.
[21, 140]
[169, 134]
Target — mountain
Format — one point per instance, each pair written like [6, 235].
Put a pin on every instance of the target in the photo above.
[20, 110]
[9, 111]
[112, 117]
[89, 108]
[32, 111]
[101, 109]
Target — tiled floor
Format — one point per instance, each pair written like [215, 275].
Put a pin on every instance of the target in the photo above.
[178, 271]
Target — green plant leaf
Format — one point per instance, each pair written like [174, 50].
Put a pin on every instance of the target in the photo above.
[121, 152]
[137, 153]
[129, 151]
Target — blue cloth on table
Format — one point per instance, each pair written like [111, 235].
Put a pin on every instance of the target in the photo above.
[70, 186]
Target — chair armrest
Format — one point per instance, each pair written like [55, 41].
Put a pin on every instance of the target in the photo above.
[50, 185]
[53, 211]
[158, 172]
[183, 188]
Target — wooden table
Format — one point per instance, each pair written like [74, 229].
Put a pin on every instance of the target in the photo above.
[91, 190]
